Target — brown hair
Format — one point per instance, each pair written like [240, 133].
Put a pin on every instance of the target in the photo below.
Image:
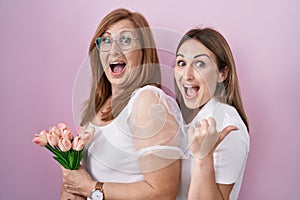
[148, 73]
[229, 91]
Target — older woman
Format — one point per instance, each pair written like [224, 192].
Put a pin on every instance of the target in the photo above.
[135, 152]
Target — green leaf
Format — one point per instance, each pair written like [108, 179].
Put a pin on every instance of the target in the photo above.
[62, 162]
[71, 159]
[79, 157]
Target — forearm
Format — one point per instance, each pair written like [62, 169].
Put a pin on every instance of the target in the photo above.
[129, 191]
[203, 181]
[161, 184]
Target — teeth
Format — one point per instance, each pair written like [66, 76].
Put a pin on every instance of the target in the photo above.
[187, 86]
[191, 90]
[116, 63]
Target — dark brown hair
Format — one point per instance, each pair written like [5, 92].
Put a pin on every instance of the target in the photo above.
[227, 92]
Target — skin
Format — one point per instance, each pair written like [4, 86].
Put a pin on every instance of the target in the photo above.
[132, 58]
[196, 67]
[79, 182]
[197, 70]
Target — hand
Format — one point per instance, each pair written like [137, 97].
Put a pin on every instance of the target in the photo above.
[205, 137]
[78, 182]
[64, 195]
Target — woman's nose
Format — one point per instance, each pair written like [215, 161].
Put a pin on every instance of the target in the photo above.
[188, 73]
[115, 49]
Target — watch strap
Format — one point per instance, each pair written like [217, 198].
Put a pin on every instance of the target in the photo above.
[99, 186]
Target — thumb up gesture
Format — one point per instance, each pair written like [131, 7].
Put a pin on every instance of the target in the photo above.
[204, 138]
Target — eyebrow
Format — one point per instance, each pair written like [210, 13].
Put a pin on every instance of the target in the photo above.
[106, 33]
[196, 56]
[199, 55]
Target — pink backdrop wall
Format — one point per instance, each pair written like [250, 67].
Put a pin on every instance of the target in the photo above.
[43, 43]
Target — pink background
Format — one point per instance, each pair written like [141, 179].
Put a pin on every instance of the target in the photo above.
[43, 43]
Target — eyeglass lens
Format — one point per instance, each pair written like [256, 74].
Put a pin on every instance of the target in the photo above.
[124, 41]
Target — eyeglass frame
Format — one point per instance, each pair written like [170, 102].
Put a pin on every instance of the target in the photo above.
[113, 40]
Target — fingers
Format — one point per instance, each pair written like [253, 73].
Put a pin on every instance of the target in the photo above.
[65, 195]
[205, 138]
[200, 133]
[226, 131]
[211, 122]
[67, 175]
[203, 128]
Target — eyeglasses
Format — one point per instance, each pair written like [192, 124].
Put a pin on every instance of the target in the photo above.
[125, 41]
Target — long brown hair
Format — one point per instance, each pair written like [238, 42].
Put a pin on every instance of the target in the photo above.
[227, 92]
[149, 71]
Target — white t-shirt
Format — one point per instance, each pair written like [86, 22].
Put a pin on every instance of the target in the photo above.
[112, 155]
[229, 157]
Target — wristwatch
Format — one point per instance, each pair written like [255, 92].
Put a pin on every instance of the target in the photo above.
[97, 193]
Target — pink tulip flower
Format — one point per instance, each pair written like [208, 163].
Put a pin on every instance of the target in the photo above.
[63, 126]
[56, 131]
[40, 140]
[67, 134]
[65, 130]
[44, 133]
[59, 139]
[52, 139]
[86, 133]
[64, 144]
[78, 143]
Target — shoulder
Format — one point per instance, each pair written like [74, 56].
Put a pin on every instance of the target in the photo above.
[147, 94]
[148, 91]
[232, 117]
[143, 100]
[238, 139]
[150, 95]
[150, 101]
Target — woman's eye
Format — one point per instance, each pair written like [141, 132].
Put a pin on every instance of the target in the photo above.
[180, 63]
[199, 64]
[125, 40]
[107, 40]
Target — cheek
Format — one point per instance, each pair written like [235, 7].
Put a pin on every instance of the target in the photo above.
[178, 79]
[103, 59]
[208, 81]
[177, 76]
[211, 84]
[134, 59]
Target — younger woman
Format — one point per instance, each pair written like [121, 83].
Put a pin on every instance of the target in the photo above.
[208, 94]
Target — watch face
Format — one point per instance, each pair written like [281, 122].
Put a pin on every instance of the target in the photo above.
[97, 195]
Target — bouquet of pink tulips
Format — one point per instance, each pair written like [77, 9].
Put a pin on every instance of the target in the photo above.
[66, 148]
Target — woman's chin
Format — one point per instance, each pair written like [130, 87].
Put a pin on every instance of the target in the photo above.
[191, 103]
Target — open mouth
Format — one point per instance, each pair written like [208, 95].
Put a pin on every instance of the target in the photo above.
[191, 91]
[117, 67]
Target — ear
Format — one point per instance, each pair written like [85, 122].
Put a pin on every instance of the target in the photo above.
[223, 75]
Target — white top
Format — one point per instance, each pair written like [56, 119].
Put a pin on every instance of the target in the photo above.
[112, 155]
[229, 157]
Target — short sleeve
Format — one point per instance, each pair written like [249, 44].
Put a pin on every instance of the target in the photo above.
[156, 125]
[231, 155]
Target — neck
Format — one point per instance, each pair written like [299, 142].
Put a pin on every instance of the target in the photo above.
[189, 114]
[115, 90]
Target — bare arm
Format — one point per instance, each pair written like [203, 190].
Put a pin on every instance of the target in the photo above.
[161, 184]
[161, 175]
[151, 125]
[203, 181]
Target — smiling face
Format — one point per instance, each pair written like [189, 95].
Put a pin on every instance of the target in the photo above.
[196, 73]
[119, 60]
